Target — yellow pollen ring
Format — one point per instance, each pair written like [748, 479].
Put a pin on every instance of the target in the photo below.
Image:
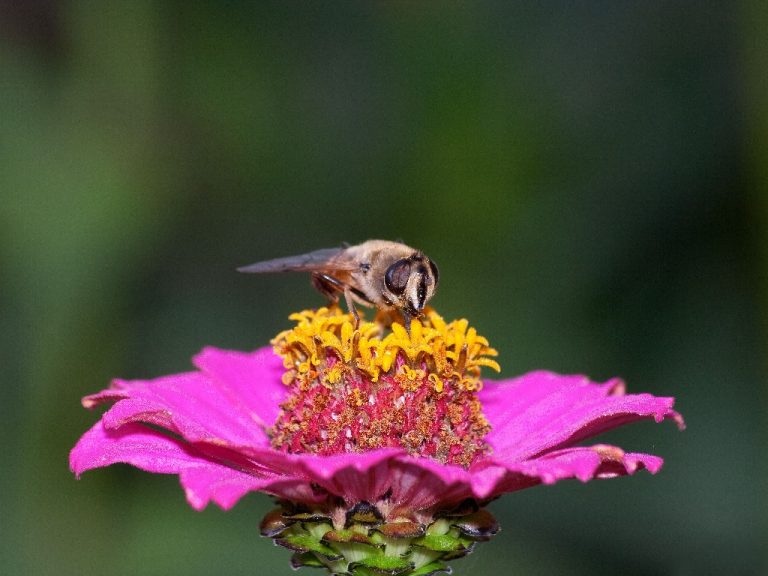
[325, 340]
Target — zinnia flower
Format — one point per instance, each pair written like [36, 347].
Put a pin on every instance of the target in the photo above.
[380, 446]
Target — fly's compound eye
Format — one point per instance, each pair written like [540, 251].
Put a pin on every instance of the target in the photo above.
[396, 277]
[435, 273]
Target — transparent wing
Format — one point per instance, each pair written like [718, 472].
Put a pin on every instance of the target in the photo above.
[326, 259]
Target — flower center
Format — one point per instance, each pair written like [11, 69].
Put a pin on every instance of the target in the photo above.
[377, 385]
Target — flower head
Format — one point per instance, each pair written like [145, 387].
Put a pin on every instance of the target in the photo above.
[380, 445]
[354, 390]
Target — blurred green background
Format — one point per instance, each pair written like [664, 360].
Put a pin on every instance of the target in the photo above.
[590, 177]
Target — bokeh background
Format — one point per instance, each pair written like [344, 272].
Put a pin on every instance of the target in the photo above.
[590, 177]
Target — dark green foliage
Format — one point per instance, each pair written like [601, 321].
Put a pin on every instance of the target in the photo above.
[589, 176]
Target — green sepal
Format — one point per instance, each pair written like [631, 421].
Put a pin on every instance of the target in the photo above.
[305, 559]
[307, 517]
[480, 525]
[384, 565]
[401, 530]
[439, 542]
[431, 568]
[307, 543]
[347, 536]
[468, 548]
[274, 523]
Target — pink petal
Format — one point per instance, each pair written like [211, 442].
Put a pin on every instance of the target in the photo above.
[413, 483]
[417, 483]
[364, 476]
[132, 444]
[188, 404]
[420, 483]
[203, 480]
[250, 379]
[542, 411]
[583, 463]
[219, 484]
[220, 414]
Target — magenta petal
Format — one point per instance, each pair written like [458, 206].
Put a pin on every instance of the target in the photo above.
[132, 444]
[586, 463]
[188, 404]
[634, 461]
[542, 411]
[357, 477]
[421, 483]
[353, 477]
[293, 489]
[582, 463]
[417, 483]
[429, 483]
[203, 480]
[251, 379]
[222, 485]
[222, 451]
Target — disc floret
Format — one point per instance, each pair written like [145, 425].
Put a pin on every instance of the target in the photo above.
[378, 385]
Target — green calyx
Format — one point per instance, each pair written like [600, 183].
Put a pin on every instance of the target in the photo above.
[363, 543]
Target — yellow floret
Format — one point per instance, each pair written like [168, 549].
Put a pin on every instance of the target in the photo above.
[450, 353]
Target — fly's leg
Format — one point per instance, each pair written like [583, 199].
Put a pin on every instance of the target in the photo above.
[328, 286]
[351, 306]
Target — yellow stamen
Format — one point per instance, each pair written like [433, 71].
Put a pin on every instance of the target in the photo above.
[451, 353]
